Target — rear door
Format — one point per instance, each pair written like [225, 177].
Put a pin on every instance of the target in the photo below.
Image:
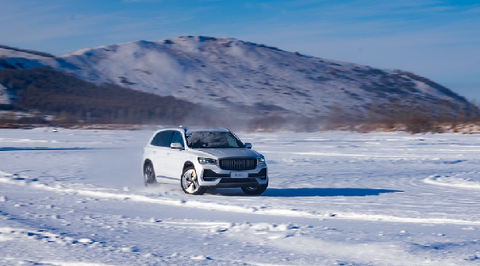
[160, 146]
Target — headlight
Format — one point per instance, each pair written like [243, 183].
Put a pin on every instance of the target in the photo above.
[261, 160]
[207, 160]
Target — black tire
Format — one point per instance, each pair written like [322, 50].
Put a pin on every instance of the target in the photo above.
[255, 190]
[149, 174]
[189, 182]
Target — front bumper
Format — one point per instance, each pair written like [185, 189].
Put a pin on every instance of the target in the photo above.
[216, 177]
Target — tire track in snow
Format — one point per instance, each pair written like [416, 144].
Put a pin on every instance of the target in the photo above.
[456, 180]
[59, 188]
[59, 263]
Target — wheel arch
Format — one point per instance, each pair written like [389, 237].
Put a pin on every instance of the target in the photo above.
[147, 161]
[187, 164]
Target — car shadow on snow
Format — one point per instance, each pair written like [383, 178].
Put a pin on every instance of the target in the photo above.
[325, 192]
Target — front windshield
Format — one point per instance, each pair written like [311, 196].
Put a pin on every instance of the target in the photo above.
[213, 139]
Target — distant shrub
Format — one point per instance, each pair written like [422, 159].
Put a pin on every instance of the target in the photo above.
[419, 125]
[32, 120]
[7, 107]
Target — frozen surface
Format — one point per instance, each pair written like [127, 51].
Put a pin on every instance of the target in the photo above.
[77, 198]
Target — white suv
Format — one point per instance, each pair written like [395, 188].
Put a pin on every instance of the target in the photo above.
[203, 158]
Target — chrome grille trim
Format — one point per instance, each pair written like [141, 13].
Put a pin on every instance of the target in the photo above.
[238, 164]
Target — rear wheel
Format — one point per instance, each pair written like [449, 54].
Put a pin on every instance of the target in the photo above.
[148, 174]
[255, 190]
[189, 182]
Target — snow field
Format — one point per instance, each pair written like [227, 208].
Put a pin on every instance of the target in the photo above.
[76, 197]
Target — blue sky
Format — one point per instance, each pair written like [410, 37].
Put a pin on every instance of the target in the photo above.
[436, 39]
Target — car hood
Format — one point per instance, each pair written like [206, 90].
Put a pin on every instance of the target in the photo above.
[224, 153]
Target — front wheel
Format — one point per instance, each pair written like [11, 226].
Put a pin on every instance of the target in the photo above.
[255, 190]
[189, 182]
[149, 174]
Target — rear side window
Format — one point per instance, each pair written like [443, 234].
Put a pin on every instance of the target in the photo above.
[155, 139]
[163, 139]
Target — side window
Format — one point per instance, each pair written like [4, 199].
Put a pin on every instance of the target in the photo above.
[162, 139]
[231, 141]
[165, 138]
[177, 137]
[155, 139]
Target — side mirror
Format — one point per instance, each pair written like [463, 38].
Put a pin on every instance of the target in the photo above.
[176, 145]
[248, 145]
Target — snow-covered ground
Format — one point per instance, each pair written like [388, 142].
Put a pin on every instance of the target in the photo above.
[76, 197]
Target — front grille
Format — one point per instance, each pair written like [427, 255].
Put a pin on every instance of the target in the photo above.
[238, 164]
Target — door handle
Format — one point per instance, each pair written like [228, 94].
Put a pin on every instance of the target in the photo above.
[169, 154]
[154, 152]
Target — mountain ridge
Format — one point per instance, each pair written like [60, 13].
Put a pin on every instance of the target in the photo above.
[19, 52]
[231, 74]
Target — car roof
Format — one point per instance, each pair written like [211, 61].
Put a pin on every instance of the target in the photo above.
[208, 129]
[189, 130]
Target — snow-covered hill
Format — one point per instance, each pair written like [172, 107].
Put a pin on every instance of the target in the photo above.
[227, 73]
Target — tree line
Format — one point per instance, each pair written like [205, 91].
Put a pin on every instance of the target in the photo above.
[69, 99]
[72, 99]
